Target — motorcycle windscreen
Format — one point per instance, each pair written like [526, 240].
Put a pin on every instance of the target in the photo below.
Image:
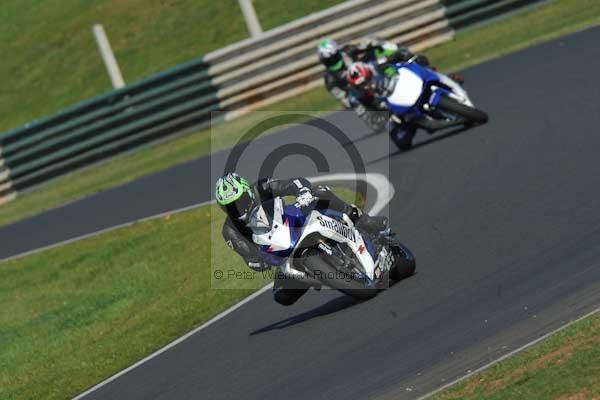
[259, 222]
[408, 89]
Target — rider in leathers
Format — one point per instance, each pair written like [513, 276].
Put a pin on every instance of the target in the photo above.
[337, 59]
[238, 235]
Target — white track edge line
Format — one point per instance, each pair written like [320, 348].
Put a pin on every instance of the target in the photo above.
[384, 188]
[101, 231]
[378, 179]
[372, 179]
[176, 341]
[508, 355]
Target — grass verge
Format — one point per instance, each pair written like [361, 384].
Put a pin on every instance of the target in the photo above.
[72, 316]
[565, 366]
[54, 61]
[271, 14]
[470, 47]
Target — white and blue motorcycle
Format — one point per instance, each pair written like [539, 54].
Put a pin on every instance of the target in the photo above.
[426, 99]
[322, 247]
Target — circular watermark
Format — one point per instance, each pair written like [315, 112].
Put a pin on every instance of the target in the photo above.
[319, 141]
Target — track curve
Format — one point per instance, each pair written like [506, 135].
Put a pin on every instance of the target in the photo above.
[504, 220]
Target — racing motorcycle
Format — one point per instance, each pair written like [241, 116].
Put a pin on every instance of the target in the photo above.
[427, 99]
[322, 247]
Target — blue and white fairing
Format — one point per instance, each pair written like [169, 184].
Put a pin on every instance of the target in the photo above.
[290, 225]
[283, 233]
[416, 88]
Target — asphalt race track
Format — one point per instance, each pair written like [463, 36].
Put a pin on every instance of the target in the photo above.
[504, 220]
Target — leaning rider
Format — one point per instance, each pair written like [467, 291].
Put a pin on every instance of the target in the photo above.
[370, 86]
[379, 52]
[336, 60]
[242, 201]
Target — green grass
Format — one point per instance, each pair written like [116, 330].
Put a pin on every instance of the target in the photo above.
[73, 315]
[534, 25]
[470, 47]
[565, 366]
[274, 13]
[52, 61]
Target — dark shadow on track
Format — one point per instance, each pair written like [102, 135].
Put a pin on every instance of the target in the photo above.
[332, 306]
[365, 137]
[442, 136]
[424, 143]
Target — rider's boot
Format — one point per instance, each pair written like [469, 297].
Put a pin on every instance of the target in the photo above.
[372, 224]
[402, 134]
[365, 221]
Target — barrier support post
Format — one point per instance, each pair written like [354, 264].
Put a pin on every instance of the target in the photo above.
[110, 62]
[251, 19]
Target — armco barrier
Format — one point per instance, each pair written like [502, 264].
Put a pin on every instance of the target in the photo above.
[238, 78]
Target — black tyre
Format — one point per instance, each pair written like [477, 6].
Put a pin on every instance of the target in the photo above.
[472, 115]
[330, 276]
[405, 264]
[402, 136]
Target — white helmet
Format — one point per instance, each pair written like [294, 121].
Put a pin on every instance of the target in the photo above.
[330, 54]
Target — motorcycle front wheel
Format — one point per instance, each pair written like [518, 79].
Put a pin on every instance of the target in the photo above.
[405, 263]
[472, 115]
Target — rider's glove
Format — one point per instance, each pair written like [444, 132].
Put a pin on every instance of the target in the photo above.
[354, 213]
[305, 198]
[382, 105]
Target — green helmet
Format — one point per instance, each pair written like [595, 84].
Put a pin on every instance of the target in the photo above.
[235, 196]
